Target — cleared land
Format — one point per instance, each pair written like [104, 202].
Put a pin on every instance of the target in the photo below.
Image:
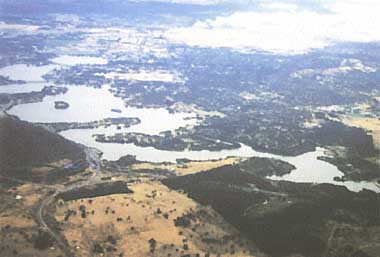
[190, 167]
[142, 224]
[20, 234]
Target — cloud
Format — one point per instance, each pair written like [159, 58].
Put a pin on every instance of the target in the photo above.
[18, 27]
[281, 27]
[279, 6]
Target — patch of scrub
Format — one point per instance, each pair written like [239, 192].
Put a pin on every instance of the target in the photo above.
[71, 60]
[25, 72]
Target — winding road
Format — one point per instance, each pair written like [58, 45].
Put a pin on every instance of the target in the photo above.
[92, 158]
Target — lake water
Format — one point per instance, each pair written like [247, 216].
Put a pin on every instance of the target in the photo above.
[26, 72]
[23, 88]
[308, 168]
[89, 104]
[33, 73]
[311, 170]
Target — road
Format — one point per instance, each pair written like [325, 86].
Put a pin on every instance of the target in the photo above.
[92, 158]
[39, 215]
[62, 244]
[329, 240]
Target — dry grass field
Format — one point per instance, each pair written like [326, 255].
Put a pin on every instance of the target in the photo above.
[19, 229]
[191, 167]
[142, 224]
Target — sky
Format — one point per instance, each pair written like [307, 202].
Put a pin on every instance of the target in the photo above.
[284, 26]
[274, 26]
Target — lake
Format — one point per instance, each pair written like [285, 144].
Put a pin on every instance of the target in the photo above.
[308, 168]
[90, 104]
[30, 73]
[23, 88]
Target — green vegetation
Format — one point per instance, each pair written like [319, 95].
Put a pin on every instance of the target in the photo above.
[101, 189]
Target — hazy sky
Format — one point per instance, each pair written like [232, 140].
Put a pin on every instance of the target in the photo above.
[285, 27]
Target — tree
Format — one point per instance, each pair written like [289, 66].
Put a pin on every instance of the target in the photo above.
[152, 244]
